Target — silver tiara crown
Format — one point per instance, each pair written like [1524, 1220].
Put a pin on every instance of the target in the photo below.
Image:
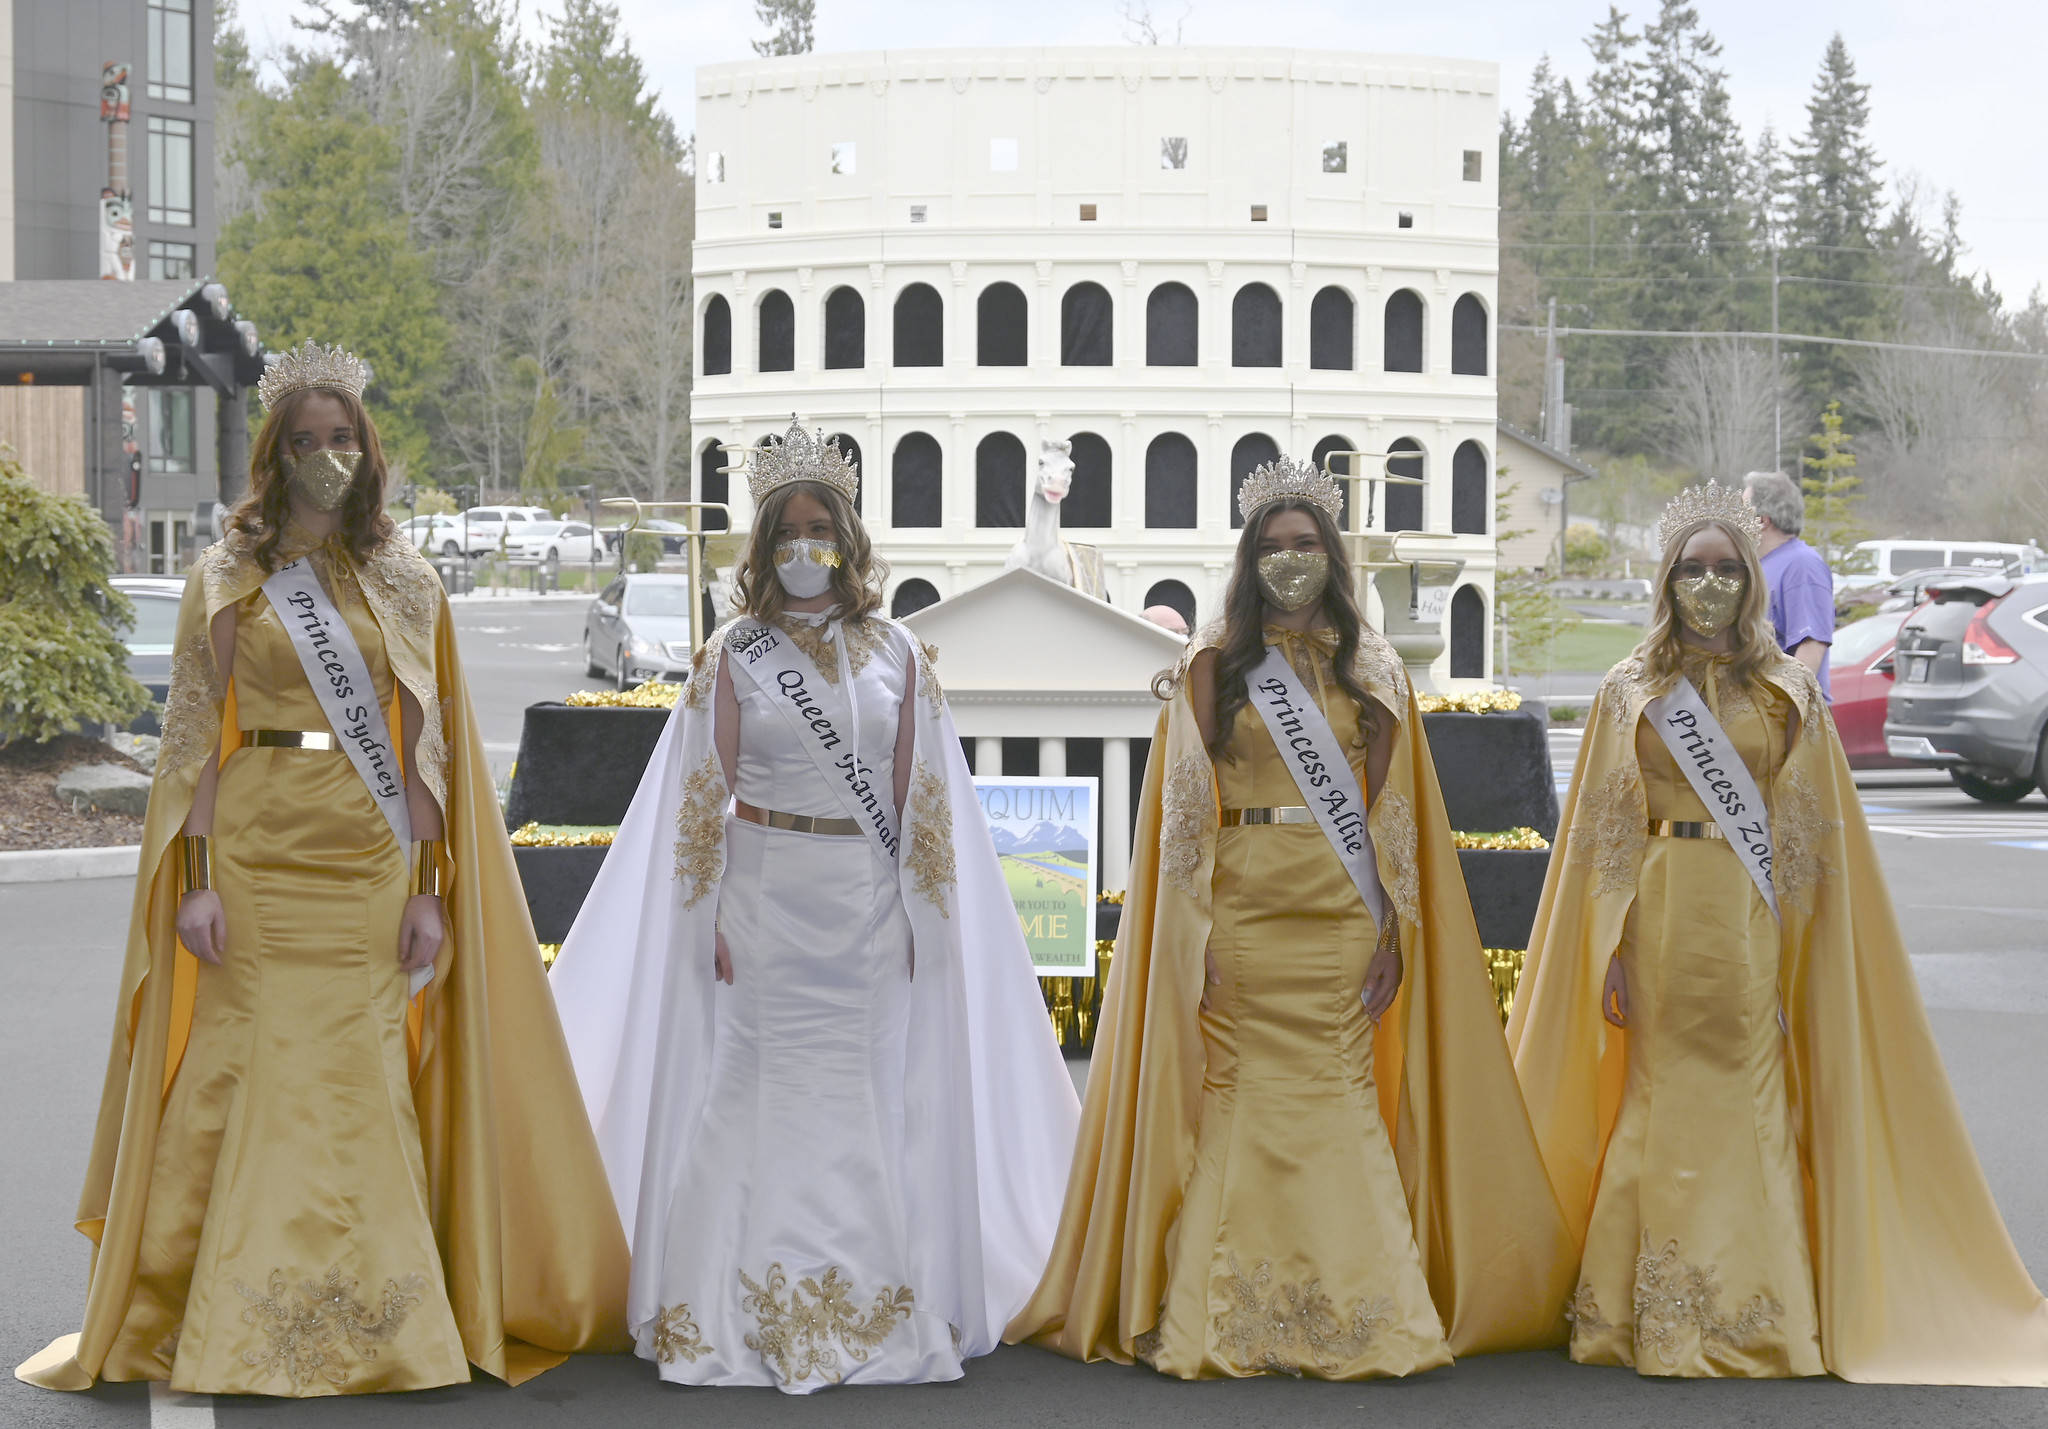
[311, 365]
[1287, 479]
[1711, 502]
[802, 455]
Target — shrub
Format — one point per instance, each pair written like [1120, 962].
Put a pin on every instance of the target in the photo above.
[62, 663]
[643, 550]
[1585, 549]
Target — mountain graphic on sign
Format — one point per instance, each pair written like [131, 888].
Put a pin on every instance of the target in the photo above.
[1044, 837]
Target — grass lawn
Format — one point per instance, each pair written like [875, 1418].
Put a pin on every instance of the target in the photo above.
[1588, 647]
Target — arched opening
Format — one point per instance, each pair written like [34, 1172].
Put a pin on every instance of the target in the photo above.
[849, 447]
[1468, 336]
[777, 319]
[1173, 322]
[920, 327]
[846, 329]
[1330, 321]
[1002, 327]
[1469, 508]
[1404, 331]
[917, 483]
[913, 595]
[1253, 450]
[715, 352]
[1174, 595]
[1404, 503]
[1468, 634]
[1088, 503]
[1255, 327]
[1321, 453]
[713, 485]
[999, 481]
[1087, 326]
[1170, 479]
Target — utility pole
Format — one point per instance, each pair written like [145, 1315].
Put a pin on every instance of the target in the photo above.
[1777, 375]
[1548, 416]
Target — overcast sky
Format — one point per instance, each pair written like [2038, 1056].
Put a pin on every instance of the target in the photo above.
[1956, 91]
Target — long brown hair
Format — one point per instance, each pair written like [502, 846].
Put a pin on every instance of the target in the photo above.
[856, 581]
[1754, 646]
[1244, 622]
[263, 512]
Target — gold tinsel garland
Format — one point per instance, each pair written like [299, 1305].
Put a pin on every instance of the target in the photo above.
[654, 695]
[1486, 702]
[534, 835]
[1516, 838]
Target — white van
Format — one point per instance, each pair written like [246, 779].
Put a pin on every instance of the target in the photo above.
[489, 525]
[1890, 559]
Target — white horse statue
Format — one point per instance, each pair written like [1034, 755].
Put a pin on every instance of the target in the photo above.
[1043, 549]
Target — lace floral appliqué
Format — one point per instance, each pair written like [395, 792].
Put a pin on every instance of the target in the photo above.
[1187, 820]
[862, 637]
[700, 831]
[402, 586]
[928, 686]
[1297, 1328]
[676, 1336]
[192, 707]
[1800, 834]
[1673, 1296]
[1392, 820]
[1378, 668]
[930, 859]
[313, 1331]
[1582, 1312]
[1608, 831]
[805, 1334]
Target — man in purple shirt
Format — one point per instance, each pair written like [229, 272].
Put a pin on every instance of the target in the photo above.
[1802, 589]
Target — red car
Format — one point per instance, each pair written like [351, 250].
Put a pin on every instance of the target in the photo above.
[1860, 673]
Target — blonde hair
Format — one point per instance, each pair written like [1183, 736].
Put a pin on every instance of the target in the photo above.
[1754, 644]
[857, 580]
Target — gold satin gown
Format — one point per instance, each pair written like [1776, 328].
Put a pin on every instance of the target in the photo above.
[287, 1247]
[1294, 1251]
[1696, 1260]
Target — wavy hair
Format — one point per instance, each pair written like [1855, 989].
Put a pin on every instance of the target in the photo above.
[857, 580]
[267, 507]
[1755, 644]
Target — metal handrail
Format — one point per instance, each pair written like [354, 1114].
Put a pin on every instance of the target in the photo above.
[693, 550]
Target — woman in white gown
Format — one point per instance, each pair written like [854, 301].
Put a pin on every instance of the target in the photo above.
[799, 1003]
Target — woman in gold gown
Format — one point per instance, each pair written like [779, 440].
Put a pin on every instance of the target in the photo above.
[1742, 1109]
[1302, 1150]
[307, 1179]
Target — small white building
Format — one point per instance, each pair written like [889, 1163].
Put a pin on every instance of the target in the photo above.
[1183, 261]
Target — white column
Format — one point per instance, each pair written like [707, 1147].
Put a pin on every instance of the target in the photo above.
[1052, 758]
[1116, 814]
[988, 754]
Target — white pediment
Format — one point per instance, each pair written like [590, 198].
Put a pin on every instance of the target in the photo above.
[1020, 634]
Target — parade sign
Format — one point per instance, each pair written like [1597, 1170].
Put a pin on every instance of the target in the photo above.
[1044, 833]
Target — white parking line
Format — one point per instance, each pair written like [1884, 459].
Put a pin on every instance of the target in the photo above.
[169, 1409]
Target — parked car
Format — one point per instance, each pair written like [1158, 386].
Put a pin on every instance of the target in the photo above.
[672, 535]
[151, 637]
[433, 535]
[1895, 557]
[1860, 671]
[553, 543]
[490, 526]
[1972, 689]
[638, 629]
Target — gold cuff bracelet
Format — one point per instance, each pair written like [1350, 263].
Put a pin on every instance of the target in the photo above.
[426, 867]
[195, 863]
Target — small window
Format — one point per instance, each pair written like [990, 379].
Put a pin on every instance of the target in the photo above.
[1404, 219]
[843, 157]
[917, 213]
[1472, 163]
[714, 167]
[1173, 152]
[1258, 213]
[1087, 213]
[1002, 156]
[775, 218]
[1336, 156]
[172, 260]
[170, 50]
[170, 173]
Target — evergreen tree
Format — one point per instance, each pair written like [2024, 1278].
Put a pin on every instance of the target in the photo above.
[587, 66]
[1832, 490]
[789, 26]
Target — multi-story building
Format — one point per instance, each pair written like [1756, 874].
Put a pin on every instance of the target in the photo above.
[1181, 261]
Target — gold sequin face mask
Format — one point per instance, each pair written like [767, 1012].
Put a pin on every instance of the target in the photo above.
[1707, 604]
[1291, 579]
[323, 477]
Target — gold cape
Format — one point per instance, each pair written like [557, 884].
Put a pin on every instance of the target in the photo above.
[1499, 1259]
[1917, 1280]
[534, 1261]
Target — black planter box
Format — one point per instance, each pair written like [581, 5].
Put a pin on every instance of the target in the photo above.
[580, 764]
[1494, 770]
[556, 881]
[1505, 885]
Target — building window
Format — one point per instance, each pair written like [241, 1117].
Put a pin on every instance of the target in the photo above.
[920, 327]
[1324, 449]
[1002, 156]
[1174, 596]
[999, 481]
[1468, 634]
[1404, 331]
[912, 596]
[1170, 486]
[917, 213]
[843, 157]
[168, 534]
[1472, 166]
[1087, 213]
[1404, 219]
[170, 171]
[170, 50]
[1258, 213]
[1088, 500]
[173, 260]
[170, 428]
[1172, 327]
[713, 484]
[917, 483]
[1469, 506]
[716, 350]
[1255, 327]
[1087, 326]
[775, 218]
[1330, 316]
[846, 329]
[1404, 503]
[1468, 336]
[1252, 451]
[1336, 156]
[777, 330]
[1002, 329]
[714, 167]
[1173, 152]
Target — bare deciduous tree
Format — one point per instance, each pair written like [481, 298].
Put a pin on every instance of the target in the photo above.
[1722, 393]
[1140, 28]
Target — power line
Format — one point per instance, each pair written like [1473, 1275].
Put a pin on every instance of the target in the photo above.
[1781, 337]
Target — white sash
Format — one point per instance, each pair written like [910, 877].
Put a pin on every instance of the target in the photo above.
[1714, 768]
[341, 680]
[826, 725]
[1322, 773]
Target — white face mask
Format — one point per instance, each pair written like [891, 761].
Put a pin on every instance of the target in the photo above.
[805, 567]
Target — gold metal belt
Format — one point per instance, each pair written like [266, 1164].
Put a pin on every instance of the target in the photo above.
[796, 823]
[291, 738]
[1685, 829]
[1284, 814]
